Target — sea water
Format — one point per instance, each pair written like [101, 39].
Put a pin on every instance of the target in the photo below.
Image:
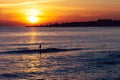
[74, 53]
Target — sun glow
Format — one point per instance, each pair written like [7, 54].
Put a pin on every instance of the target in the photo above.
[33, 15]
[33, 19]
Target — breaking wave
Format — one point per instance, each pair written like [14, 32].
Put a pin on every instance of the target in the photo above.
[47, 50]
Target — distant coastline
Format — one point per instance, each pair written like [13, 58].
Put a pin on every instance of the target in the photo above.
[98, 23]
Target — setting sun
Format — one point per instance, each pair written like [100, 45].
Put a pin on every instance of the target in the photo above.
[33, 14]
[33, 19]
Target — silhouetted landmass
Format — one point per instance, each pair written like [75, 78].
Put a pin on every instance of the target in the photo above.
[98, 23]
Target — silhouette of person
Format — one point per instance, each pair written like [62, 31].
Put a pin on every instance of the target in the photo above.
[40, 48]
[40, 53]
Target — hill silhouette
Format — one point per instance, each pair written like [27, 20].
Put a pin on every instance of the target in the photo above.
[98, 23]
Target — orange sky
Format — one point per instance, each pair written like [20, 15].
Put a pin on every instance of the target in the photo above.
[28, 12]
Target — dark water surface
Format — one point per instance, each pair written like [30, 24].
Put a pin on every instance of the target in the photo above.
[67, 53]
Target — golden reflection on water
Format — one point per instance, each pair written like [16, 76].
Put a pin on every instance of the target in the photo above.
[33, 35]
[33, 64]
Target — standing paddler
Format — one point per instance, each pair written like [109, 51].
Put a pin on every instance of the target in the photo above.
[40, 49]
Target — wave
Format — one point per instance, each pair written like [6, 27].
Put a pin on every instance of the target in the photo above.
[33, 44]
[33, 51]
[25, 44]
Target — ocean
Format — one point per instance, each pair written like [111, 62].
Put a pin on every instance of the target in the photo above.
[74, 53]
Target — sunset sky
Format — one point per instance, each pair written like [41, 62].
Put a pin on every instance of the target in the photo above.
[26, 12]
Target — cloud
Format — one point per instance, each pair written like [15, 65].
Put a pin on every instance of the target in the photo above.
[27, 3]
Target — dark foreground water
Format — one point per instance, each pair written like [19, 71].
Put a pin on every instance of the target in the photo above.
[67, 53]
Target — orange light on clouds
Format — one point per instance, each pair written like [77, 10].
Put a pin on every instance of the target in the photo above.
[55, 11]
